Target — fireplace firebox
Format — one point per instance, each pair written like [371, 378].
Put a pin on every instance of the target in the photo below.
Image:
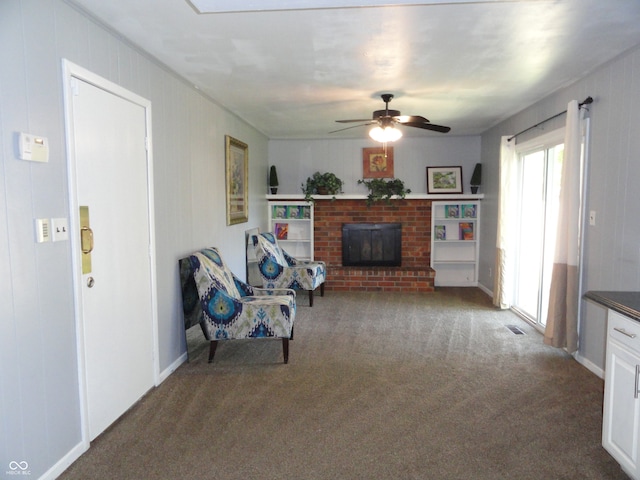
[372, 244]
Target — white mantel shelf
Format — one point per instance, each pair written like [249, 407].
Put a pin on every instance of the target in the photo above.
[416, 196]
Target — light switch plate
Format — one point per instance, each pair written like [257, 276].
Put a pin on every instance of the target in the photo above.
[59, 229]
[43, 230]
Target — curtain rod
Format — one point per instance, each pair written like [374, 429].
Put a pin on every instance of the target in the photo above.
[587, 101]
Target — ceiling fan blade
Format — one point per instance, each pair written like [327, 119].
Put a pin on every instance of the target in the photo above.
[354, 126]
[404, 119]
[428, 126]
[387, 118]
[357, 120]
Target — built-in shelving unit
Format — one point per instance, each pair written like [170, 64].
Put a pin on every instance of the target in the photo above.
[292, 224]
[454, 242]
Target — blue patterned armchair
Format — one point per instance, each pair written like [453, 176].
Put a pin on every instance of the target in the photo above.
[228, 308]
[280, 270]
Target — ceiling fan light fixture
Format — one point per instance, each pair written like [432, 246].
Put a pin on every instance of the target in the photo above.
[386, 134]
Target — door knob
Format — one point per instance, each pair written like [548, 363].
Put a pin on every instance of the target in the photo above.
[90, 282]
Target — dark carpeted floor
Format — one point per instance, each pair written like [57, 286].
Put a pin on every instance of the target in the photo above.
[378, 386]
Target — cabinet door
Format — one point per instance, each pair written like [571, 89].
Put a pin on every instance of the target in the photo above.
[621, 407]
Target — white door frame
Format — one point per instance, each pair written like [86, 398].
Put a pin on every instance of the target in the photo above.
[70, 72]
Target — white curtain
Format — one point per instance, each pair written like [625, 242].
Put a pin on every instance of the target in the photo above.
[503, 270]
[562, 321]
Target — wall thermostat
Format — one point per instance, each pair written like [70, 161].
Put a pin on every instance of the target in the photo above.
[33, 148]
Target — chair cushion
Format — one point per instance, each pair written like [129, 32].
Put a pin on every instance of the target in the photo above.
[270, 245]
[212, 263]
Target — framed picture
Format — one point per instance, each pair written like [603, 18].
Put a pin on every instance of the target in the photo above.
[377, 162]
[237, 181]
[444, 179]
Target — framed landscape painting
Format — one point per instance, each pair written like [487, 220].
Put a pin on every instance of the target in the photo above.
[444, 179]
[237, 183]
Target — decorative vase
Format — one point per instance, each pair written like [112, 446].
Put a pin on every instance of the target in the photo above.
[323, 191]
[273, 179]
[476, 178]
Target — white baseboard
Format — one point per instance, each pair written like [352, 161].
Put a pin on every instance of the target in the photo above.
[172, 368]
[589, 365]
[485, 290]
[56, 470]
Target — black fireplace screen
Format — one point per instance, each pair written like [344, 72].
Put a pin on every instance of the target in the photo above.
[372, 244]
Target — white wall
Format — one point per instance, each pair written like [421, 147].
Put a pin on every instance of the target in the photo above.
[296, 160]
[612, 246]
[39, 397]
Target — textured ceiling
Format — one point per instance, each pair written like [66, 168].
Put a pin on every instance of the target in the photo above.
[292, 73]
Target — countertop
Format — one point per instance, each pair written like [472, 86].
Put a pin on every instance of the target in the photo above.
[626, 303]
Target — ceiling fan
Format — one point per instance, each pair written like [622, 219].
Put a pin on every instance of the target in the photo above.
[386, 121]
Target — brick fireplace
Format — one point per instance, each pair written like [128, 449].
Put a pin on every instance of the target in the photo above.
[414, 275]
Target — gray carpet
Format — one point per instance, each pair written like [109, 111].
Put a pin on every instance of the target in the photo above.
[378, 386]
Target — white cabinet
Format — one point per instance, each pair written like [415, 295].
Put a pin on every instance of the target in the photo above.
[292, 224]
[454, 242]
[621, 415]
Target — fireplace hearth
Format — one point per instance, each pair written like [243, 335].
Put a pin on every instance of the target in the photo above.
[372, 244]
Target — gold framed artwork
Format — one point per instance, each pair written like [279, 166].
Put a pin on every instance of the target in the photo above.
[377, 162]
[237, 180]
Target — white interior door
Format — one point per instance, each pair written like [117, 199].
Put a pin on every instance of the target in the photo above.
[109, 136]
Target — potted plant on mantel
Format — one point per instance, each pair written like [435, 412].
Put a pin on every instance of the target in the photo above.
[321, 184]
[381, 189]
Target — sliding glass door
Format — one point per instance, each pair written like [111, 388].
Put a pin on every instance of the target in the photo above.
[540, 168]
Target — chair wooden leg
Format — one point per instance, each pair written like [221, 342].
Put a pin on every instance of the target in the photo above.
[285, 349]
[322, 289]
[212, 349]
[311, 298]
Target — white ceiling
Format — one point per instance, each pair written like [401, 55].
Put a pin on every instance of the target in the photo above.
[465, 64]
